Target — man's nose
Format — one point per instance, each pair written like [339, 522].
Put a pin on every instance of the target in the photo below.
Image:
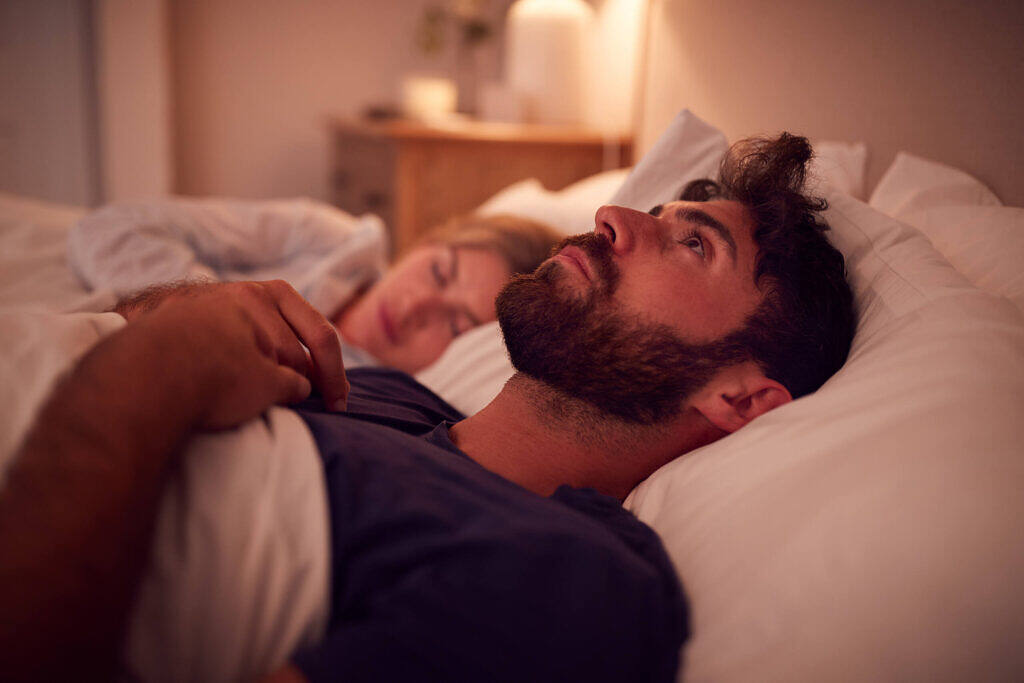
[626, 229]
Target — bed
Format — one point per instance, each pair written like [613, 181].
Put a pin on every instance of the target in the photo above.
[870, 530]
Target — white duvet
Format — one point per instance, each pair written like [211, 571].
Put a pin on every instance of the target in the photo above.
[325, 253]
[240, 559]
[239, 570]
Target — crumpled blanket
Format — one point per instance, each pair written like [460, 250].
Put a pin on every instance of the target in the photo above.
[325, 253]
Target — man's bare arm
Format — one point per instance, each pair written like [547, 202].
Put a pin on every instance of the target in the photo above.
[146, 300]
[78, 504]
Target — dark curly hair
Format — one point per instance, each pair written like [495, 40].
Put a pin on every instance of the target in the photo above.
[801, 333]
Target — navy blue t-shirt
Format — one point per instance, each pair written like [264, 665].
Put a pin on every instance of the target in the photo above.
[443, 570]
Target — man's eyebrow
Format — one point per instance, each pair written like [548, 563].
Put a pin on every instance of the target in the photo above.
[704, 218]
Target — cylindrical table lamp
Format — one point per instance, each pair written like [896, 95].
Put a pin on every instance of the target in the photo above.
[546, 57]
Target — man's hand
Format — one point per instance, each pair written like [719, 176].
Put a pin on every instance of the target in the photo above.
[213, 356]
[282, 323]
[79, 500]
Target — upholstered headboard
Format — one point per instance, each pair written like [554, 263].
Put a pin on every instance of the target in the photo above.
[939, 78]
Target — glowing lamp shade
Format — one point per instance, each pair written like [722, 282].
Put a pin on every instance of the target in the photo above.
[545, 58]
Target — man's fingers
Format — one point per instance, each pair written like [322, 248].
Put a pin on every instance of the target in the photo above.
[263, 341]
[290, 386]
[277, 341]
[274, 335]
[266, 384]
[320, 337]
[287, 348]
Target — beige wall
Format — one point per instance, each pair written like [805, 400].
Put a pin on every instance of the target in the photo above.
[612, 73]
[941, 78]
[84, 100]
[47, 104]
[254, 80]
[133, 84]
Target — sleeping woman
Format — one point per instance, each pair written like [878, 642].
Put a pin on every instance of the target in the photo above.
[444, 286]
[403, 317]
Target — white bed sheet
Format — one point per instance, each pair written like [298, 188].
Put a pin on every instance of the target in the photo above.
[240, 559]
[33, 263]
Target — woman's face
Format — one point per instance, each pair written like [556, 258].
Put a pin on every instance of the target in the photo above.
[433, 294]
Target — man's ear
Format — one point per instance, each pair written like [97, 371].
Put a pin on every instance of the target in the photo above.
[738, 394]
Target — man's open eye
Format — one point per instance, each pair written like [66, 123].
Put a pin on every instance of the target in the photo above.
[693, 241]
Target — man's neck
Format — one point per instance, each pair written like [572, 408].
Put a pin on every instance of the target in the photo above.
[540, 438]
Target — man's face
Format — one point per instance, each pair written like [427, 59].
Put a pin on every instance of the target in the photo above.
[630, 318]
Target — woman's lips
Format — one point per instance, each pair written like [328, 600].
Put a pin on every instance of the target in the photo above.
[576, 256]
[387, 324]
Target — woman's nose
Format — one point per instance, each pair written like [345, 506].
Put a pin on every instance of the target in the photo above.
[419, 308]
[625, 228]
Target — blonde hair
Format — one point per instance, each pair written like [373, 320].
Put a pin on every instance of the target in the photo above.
[522, 242]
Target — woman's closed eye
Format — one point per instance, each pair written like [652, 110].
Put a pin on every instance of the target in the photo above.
[463, 319]
[459, 323]
[445, 267]
[439, 277]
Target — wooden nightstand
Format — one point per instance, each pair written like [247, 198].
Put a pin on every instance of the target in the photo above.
[416, 176]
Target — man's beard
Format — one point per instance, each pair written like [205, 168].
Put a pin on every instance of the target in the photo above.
[638, 371]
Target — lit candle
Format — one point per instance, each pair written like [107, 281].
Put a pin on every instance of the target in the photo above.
[428, 98]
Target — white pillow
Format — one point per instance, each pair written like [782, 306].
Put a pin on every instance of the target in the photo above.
[570, 210]
[962, 218]
[870, 531]
[913, 183]
[471, 371]
[688, 149]
[840, 166]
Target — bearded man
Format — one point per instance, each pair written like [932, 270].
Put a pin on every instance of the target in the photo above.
[492, 547]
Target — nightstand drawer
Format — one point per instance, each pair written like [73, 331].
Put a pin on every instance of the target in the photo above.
[363, 176]
[416, 176]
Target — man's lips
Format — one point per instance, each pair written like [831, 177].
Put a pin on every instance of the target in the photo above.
[387, 324]
[576, 256]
